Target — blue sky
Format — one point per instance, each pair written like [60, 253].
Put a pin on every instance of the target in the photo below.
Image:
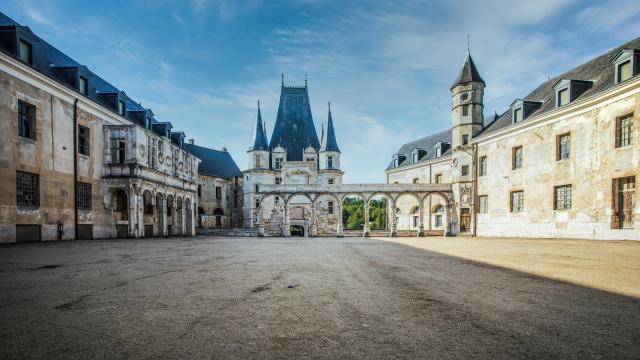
[386, 66]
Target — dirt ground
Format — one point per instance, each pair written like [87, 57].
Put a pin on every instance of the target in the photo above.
[320, 298]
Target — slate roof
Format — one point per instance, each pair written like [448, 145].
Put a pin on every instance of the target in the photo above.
[426, 143]
[259, 140]
[49, 61]
[468, 73]
[329, 142]
[294, 129]
[599, 70]
[214, 162]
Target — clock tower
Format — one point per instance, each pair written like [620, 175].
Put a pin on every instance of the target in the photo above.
[467, 118]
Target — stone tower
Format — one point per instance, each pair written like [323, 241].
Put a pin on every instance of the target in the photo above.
[466, 122]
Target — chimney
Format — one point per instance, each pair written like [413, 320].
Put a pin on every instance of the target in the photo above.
[191, 141]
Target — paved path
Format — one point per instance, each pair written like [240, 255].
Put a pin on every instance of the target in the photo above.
[295, 298]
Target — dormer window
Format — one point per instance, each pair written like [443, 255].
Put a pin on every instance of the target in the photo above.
[522, 109]
[278, 163]
[517, 115]
[627, 64]
[398, 159]
[417, 154]
[26, 52]
[414, 158]
[121, 107]
[568, 90]
[83, 86]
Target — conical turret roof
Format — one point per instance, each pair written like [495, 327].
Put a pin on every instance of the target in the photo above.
[259, 141]
[468, 73]
[329, 142]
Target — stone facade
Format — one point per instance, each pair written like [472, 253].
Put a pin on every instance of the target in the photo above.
[219, 202]
[555, 164]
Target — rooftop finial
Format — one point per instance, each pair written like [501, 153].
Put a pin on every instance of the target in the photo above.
[258, 104]
[329, 103]
[468, 43]
[305, 80]
[282, 75]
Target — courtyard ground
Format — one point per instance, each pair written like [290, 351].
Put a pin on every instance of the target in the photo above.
[210, 297]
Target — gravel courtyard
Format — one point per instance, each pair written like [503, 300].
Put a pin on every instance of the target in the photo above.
[320, 298]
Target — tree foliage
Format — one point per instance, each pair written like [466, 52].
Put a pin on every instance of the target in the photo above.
[353, 214]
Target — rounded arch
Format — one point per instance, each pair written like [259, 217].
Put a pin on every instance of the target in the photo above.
[379, 206]
[352, 206]
[292, 195]
[408, 216]
[147, 200]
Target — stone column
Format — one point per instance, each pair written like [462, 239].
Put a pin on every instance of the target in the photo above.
[340, 230]
[134, 216]
[259, 222]
[445, 220]
[421, 219]
[394, 226]
[366, 231]
[162, 215]
[312, 221]
[287, 224]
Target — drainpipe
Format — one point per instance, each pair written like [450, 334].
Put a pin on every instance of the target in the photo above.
[75, 168]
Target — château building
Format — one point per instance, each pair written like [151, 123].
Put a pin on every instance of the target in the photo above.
[294, 155]
[562, 161]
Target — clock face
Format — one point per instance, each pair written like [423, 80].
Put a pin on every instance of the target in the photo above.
[464, 97]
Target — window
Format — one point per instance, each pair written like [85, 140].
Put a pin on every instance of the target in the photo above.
[26, 120]
[278, 163]
[438, 151]
[395, 162]
[121, 107]
[414, 158]
[415, 180]
[624, 130]
[27, 190]
[26, 52]
[624, 194]
[83, 87]
[330, 162]
[465, 109]
[483, 166]
[563, 146]
[438, 217]
[257, 203]
[563, 97]
[465, 139]
[562, 197]
[218, 192]
[257, 188]
[624, 71]
[516, 161]
[438, 178]
[117, 151]
[258, 161]
[330, 207]
[464, 171]
[517, 201]
[483, 204]
[83, 192]
[199, 190]
[278, 180]
[83, 140]
[277, 200]
[331, 181]
[517, 115]
[310, 159]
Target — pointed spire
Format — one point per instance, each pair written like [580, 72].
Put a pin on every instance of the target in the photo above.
[305, 80]
[468, 73]
[259, 141]
[282, 76]
[329, 142]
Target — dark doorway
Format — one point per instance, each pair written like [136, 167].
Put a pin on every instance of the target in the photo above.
[148, 230]
[85, 232]
[218, 214]
[28, 233]
[122, 231]
[624, 193]
[297, 230]
[465, 220]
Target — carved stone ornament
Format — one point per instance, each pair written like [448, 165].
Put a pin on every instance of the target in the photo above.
[464, 198]
[160, 158]
[142, 151]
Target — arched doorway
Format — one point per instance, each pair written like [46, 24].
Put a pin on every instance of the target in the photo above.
[218, 214]
[297, 230]
[353, 212]
[378, 219]
[120, 205]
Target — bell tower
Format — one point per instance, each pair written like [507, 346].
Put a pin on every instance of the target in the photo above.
[467, 118]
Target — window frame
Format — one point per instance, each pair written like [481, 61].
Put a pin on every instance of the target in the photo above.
[516, 162]
[437, 178]
[25, 205]
[330, 206]
[560, 154]
[483, 165]
[520, 207]
[26, 114]
[464, 170]
[624, 139]
[330, 162]
[566, 201]
[619, 66]
[84, 194]
[483, 209]
[84, 140]
[277, 164]
[465, 139]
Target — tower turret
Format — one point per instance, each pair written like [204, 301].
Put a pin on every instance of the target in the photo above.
[259, 150]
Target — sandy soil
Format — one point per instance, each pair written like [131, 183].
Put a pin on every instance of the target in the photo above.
[227, 298]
